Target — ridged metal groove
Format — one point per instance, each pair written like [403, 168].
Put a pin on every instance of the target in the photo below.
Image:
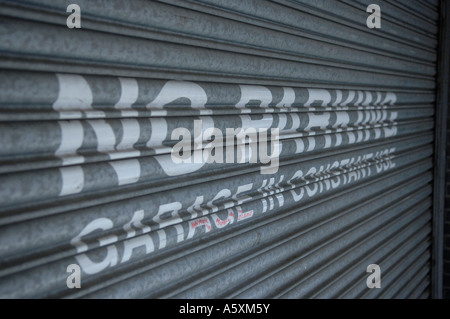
[338, 278]
[346, 16]
[286, 19]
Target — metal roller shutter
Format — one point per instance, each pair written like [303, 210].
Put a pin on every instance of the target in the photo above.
[87, 118]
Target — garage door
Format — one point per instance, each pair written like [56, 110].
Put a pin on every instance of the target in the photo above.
[216, 149]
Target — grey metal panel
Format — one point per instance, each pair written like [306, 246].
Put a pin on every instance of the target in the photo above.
[407, 19]
[298, 20]
[22, 37]
[329, 284]
[298, 267]
[419, 8]
[316, 212]
[86, 123]
[355, 18]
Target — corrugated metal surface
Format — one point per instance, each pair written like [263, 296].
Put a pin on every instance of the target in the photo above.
[86, 174]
